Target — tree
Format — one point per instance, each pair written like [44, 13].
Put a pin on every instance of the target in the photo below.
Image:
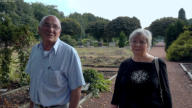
[78, 17]
[12, 38]
[173, 32]
[85, 20]
[190, 21]
[71, 27]
[181, 14]
[122, 40]
[23, 39]
[159, 26]
[96, 29]
[125, 24]
[6, 40]
[7, 7]
[41, 10]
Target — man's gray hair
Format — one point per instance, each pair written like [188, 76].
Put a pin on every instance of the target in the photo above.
[146, 33]
[43, 19]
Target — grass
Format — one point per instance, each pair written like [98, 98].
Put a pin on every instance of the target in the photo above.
[109, 56]
[108, 51]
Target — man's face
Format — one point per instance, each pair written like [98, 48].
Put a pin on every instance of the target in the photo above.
[50, 30]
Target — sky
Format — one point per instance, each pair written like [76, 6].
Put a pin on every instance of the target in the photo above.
[146, 11]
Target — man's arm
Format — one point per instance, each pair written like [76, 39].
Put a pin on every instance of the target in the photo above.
[75, 97]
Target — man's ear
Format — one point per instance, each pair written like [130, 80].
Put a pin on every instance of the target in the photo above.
[38, 30]
[60, 31]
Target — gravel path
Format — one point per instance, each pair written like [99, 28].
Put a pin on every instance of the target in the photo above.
[180, 85]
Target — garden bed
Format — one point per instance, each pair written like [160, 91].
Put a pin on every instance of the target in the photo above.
[15, 98]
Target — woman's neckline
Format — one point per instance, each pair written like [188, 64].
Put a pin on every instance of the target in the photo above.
[143, 61]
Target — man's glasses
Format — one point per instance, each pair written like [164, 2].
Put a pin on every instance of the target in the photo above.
[47, 25]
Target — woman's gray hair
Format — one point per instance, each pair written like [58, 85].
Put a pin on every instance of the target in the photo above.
[43, 19]
[146, 33]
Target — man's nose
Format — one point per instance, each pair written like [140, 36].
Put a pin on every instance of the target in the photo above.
[51, 29]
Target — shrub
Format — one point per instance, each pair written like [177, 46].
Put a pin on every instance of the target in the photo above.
[181, 49]
[69, 40]
[122, 40]
[97, 81]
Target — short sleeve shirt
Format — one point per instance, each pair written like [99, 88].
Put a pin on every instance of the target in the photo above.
[54, 74]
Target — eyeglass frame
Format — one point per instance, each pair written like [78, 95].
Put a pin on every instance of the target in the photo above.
[134, 42]
[54, 26]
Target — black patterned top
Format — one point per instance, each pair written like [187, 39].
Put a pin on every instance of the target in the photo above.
[137, 85]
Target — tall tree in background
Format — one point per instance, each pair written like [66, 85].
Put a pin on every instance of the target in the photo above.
[125, 24]
[71, 27]
[173, 32]
[6, 40]
[181, 14]
[122, 40]
[96, 29]
[12, 38]
[159, 26]
[41, 10]
[78, 17]
[23, 39]
[85, 20]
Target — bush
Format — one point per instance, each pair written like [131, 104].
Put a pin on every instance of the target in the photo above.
[69, 40]
[97, 81]
[122, 40]
[181, 49]
[85, 41]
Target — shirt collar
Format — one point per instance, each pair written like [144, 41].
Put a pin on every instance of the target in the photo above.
[55, 46]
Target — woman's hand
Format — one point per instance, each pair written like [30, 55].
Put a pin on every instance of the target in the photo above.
[114, 106]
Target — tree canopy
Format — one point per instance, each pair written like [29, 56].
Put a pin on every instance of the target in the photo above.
[71, 27]
[125, 24]
[159, 26]
[173, 32]
[85, 20]
[181, 14]
[22, 13]
[96, 29]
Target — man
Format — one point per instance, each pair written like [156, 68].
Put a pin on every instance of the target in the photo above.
[54, 68]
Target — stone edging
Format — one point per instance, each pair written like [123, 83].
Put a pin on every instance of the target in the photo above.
[183, 67]
[9, 92]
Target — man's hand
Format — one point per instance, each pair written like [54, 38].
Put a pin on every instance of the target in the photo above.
[75, 97]
[31, 104]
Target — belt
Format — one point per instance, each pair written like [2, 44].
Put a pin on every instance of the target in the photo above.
[41, 106]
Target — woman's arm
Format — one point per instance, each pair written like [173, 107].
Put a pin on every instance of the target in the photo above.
[115, 99]
[165, 85]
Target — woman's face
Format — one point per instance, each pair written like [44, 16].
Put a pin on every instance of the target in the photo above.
[139, 45]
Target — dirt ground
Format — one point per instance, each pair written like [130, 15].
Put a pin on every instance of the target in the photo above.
[180, 85]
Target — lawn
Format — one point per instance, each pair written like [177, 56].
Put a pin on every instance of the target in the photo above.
[107, 56]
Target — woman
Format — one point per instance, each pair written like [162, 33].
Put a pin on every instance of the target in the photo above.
[138, 84]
